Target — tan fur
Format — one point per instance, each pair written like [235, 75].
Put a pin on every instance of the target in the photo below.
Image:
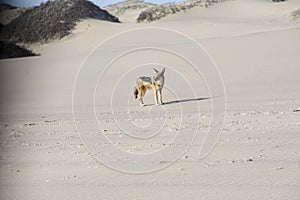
[146, 83]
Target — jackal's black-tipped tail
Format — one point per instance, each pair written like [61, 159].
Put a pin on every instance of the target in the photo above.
[135, 92]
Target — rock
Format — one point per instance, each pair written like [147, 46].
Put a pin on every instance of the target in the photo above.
[279, 168]
[297, 110]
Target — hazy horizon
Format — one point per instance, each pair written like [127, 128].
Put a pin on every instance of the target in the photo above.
[101, 3]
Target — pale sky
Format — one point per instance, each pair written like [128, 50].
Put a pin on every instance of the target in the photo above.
[101, 3]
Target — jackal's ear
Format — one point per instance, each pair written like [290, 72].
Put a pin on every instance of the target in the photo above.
[155, 70]
[163, 71]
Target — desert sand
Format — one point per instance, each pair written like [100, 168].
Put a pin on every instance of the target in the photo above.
[255, 45]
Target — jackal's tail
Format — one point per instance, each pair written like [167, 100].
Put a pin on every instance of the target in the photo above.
[135, 92]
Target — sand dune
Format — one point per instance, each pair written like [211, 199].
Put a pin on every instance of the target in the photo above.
[255, 45]
[128, 10]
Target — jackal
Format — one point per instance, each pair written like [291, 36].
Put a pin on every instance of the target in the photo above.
[156, 83]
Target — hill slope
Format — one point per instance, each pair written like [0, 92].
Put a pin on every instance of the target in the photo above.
[9, 13]
[52, 20]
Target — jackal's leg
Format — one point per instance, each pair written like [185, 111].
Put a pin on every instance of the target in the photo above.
[160, 96]
[156, 96]
[140, 97]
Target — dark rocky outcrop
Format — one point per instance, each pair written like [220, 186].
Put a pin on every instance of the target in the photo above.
[51, 20]
[10, 50]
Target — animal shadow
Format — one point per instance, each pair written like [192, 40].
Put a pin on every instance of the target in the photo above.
[186, 100]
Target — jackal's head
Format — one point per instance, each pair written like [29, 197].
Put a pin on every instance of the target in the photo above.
[159, 78]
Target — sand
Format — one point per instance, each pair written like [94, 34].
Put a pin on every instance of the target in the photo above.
[256, 47]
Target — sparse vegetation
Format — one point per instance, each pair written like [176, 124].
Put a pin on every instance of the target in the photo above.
[160, 11]
[122, 7]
